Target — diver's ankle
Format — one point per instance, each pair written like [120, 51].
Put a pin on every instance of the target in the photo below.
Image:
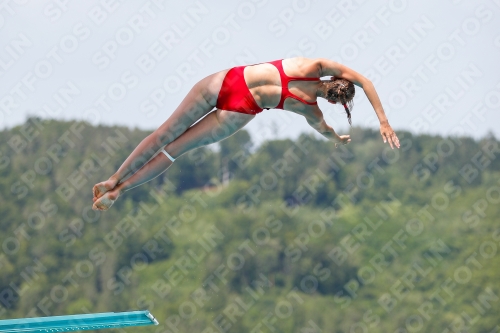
[114, 179]
[120, 188]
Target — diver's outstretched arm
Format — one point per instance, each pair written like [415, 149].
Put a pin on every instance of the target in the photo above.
[332, 68]
[316, 120]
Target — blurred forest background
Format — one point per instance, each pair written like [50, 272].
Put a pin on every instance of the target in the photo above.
[290, 236]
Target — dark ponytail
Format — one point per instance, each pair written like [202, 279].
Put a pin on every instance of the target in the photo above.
[348, 111]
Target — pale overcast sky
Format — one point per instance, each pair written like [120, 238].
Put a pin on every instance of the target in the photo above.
[434, 63]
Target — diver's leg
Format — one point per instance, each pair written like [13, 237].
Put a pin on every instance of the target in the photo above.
[198, 102]
[216, 126]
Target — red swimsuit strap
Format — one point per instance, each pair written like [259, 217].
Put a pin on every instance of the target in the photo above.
[285, 79]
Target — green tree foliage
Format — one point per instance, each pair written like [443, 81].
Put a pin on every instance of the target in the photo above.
[303, 237]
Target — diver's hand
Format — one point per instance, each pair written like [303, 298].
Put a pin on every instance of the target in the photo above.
[388, 135]
[342, 139]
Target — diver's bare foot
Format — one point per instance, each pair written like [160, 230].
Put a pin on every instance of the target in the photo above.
[100, 188]
[106, 200]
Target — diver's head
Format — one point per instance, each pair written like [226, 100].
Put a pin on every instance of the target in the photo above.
[339, 91]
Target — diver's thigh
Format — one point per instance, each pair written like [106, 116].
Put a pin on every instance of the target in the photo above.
[192, 108]
[216, 126]
[199, 101]
[230, 122]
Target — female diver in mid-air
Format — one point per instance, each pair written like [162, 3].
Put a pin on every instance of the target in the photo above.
[238, 94]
